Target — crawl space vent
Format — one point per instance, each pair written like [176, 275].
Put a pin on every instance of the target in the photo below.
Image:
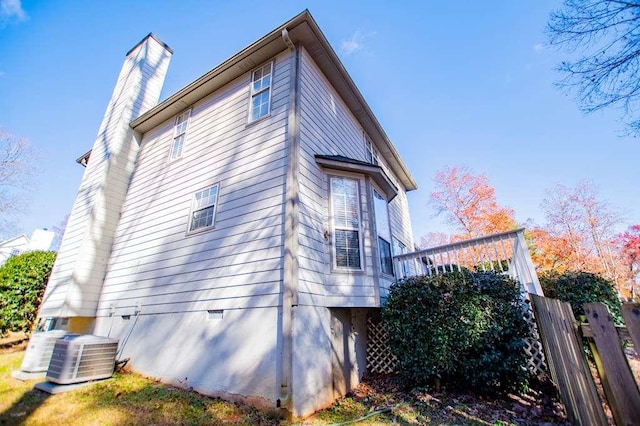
[78, 359]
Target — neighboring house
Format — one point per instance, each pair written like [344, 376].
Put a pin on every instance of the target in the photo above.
[235, 236]
[41, 239]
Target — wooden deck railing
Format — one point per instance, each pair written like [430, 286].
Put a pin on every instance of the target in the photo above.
[505, 252]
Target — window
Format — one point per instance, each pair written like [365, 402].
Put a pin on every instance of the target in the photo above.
[261, 92]
[384, 233]
[203, 209]
[345, 207]
[400, 248]
[179, 132]
[370, 151]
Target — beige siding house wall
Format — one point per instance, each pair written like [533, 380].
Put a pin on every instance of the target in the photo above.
[259, 302]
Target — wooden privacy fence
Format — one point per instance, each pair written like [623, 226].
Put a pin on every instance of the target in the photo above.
[562, 341]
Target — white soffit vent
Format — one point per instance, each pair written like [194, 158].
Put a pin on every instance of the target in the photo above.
[38, 353]
[78, 359]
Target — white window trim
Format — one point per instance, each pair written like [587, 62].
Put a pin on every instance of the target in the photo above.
[334, 262]
[370, 151]
[253, 94]
[193, 210]
[380, 193]
[177, 134]
[401, 248]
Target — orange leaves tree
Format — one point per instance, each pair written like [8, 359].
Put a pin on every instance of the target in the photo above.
[578, 234]
[629, 245]
[468, 203]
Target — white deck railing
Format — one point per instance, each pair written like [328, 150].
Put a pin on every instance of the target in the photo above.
[505, 252]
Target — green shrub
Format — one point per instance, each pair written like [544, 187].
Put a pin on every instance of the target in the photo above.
[578, 288]
[23, 279]
[465, 329]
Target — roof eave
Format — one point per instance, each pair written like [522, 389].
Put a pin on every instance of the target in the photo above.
[302, 29]
[243, 61]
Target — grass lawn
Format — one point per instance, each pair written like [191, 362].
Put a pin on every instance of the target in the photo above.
[130, 399]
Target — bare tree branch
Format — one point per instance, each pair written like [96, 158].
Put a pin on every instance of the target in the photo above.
[18, 163]
[604, 38]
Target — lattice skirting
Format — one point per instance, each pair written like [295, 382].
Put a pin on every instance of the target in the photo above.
[379, 356]
[381, 360]
[536, 364]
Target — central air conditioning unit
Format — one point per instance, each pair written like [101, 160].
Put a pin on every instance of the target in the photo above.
[38, 353]
[83, 358]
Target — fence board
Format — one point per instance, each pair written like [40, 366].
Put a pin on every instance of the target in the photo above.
[567, 366]
[624, 398]
[631, 315]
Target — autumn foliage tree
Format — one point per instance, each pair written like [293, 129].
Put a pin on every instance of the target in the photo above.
[468, 203]
[629, 245]
[579, 233]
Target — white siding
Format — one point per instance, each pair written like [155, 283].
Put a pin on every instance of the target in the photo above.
[77, 277]
[328, 127]
[156, 263]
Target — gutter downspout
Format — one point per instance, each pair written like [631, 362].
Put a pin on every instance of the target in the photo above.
[290, 278]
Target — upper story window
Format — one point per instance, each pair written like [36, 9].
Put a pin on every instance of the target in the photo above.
[345, 207]
[203, 208]
[384, 233]
[261, 92]
[179, 133]
[370, 151]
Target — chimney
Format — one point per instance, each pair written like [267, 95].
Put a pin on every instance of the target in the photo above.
[78, 273]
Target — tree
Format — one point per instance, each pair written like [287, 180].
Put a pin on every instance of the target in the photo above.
[629, 243]
[469, 203]
[579, 232]
[606, 70]
[434, 239]
[17, 165]
[23, 279]
[549, 252]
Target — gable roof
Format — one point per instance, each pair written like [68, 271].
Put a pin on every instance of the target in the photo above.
[301, 29]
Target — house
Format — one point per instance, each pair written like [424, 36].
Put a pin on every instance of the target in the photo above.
[236, 235]
[41, 239]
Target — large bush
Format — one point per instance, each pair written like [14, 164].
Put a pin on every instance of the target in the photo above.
[464, 329]
[23, 279]
[578, 288]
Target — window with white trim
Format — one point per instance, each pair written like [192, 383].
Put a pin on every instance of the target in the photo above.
[179, 134]
[370, 151]
[261, 92]
[203, 208]
[384, 233]
[398, 249]
[345, 208]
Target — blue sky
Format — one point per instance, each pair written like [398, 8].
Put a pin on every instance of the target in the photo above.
[452, 83]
